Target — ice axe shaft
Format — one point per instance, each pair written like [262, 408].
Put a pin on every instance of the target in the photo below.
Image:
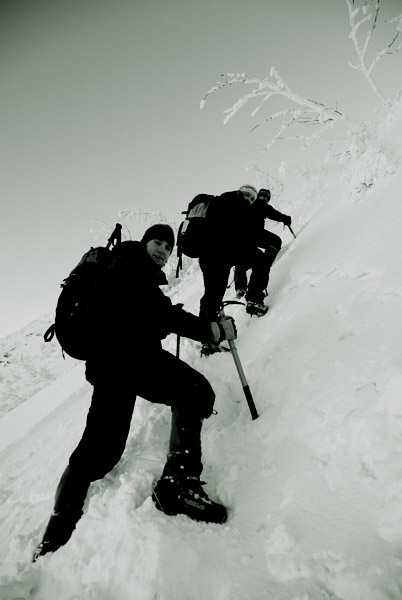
[246, 387]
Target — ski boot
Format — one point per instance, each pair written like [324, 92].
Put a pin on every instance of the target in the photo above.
[240, 293]
[210, 348]
[184, 495]
[256, 309]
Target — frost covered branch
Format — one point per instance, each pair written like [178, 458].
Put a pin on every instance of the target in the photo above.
[359, 16]
[267, 88]
[389, 49]
[310, 114]
[306, 112]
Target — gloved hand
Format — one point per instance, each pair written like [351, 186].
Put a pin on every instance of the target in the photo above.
[287, 220]
[227, 328]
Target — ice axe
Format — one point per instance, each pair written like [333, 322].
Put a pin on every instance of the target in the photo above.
[291, 230]
[233, 349]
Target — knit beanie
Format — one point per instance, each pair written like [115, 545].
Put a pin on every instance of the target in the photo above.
[249, 188]
[160, 231]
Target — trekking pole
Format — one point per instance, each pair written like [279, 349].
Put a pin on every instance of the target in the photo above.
[233, 349]
[293, 233]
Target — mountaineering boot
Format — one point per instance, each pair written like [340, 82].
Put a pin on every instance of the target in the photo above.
[256, 309]
[240, 293]
[210, 348]
[69, 501]
[179, 490]
[184, 495]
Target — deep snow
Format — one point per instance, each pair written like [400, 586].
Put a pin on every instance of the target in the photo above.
[313, 486]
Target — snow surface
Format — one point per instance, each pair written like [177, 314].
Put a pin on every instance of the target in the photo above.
[27, 365]
[313, 486]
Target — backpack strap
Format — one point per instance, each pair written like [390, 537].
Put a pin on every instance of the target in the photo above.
[179, 263]
[179, 248]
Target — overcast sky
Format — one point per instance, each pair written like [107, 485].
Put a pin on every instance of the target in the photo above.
[100, 111]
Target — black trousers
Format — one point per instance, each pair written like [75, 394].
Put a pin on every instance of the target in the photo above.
[215, 272]
[168, 381]
[260, 263]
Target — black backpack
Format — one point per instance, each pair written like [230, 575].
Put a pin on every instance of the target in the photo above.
[192, 233]
[74, 309]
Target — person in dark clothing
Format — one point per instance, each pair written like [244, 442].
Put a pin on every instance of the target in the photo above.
[127, 360]
[228, 241]
[261, 261]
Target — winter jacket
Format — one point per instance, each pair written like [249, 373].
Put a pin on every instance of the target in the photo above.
[228, 227]
[259, 211]
[133, 314]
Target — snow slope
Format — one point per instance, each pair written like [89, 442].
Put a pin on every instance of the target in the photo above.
[27, 365]
[313, 486]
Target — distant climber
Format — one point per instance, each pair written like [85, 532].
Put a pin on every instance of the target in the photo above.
[228, 242]
[260, 261]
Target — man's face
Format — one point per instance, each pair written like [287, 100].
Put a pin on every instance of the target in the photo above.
[248, 196]
[264, 196]
[159, 251]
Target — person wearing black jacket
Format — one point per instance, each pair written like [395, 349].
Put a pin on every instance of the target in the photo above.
[260, 262]
[126, 360]
[228, 241]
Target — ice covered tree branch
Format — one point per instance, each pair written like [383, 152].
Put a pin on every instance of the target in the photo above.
[359, 16]
[306, 111]
[363, 18]
[390, 49]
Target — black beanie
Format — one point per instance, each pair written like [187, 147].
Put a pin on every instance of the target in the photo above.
[159, 232]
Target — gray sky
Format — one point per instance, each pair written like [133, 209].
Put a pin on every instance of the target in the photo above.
[100, 112]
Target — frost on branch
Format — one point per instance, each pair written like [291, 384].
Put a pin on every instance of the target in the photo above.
[310, 122]
[303, 112]
[316, 118]
[363, 22]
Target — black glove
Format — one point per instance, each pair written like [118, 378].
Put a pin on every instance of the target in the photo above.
[227, 328]
[287, 220]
